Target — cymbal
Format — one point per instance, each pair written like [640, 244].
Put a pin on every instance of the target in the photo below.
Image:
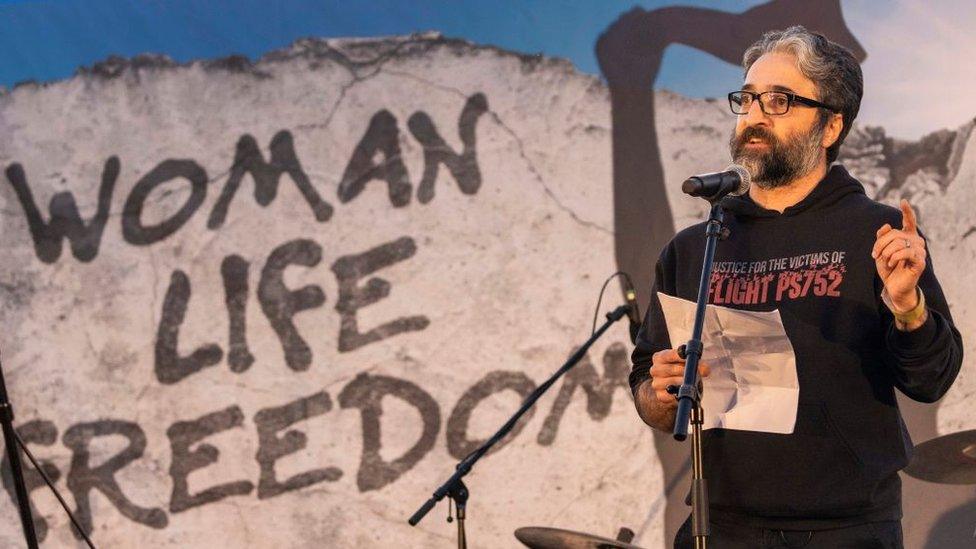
[949, 459]
[537, 537]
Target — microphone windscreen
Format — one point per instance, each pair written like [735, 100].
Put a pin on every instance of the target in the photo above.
[745, 179]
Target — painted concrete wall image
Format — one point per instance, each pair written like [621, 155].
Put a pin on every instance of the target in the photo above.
[272, 304]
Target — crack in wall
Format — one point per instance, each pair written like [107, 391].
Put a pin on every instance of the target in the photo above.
[353, 68]
[521, 150]
[91, 347]
[214, 235]
[625, 455]
[155, 292]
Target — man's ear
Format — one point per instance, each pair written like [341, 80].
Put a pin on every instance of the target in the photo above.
[832, 130]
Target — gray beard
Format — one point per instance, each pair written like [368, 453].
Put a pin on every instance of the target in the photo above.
[784, 161]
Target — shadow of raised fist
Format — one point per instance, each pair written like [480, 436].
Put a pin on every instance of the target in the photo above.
[629, 51]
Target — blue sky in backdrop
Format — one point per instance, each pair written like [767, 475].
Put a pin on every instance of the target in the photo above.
[911, 44]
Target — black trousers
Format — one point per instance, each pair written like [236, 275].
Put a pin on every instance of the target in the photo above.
[871, 535]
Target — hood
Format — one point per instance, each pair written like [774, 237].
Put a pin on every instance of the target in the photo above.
[832, 188]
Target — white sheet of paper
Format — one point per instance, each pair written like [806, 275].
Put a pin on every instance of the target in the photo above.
[753, 384]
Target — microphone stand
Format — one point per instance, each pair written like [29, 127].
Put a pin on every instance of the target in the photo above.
[689, 395]
[16, 470]
[12, 440]
[453, 487]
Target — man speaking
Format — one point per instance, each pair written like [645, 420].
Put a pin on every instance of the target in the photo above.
[858, 298]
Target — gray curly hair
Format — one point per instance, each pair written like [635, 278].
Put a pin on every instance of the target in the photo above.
[832, 68]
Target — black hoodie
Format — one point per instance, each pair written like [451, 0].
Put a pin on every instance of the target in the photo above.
[813, 262]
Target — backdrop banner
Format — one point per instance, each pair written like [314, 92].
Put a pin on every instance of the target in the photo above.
[272, 303]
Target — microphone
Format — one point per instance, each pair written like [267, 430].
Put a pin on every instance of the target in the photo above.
[633, 312]
[715, 186]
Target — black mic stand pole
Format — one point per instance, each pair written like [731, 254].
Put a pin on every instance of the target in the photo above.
[689, 395]
[12, 439]
[16, 470]
[454, 488]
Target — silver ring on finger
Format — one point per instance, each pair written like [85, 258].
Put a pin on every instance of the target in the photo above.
[908, 243]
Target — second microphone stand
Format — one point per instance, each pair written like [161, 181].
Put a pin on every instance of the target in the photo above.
[12, 440]
[454, 487]
[689, 394]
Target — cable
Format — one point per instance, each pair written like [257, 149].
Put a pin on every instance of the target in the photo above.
[596, 312]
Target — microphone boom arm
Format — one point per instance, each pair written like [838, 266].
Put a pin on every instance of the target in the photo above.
[453, 487]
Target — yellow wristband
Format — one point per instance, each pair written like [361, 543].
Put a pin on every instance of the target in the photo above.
[907, 317]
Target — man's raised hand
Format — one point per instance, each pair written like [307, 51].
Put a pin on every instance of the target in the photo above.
[899, 255]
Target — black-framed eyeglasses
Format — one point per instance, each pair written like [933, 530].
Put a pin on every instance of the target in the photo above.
[772, 102]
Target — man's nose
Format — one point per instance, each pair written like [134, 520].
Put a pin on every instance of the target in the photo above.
[755, 114]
